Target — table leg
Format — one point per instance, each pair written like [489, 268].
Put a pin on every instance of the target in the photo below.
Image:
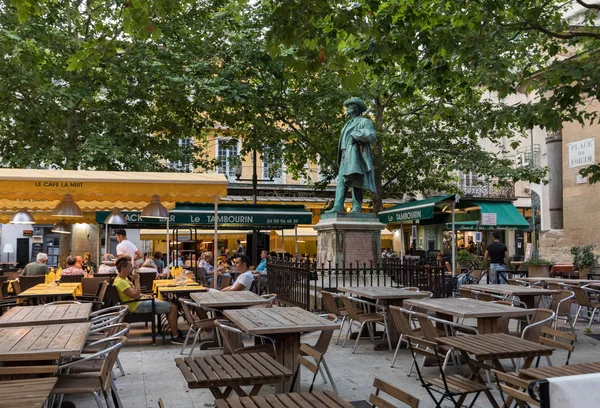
[528, 300]
[487, 325]
[288, 349]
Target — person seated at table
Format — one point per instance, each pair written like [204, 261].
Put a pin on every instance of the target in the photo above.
[160, 264]
[244, 281]
[128, 291]
[206, 263]
[108, 265]
[88, 265]
[191, 261]
[37, 268]
[261, 270]
[149, 266]
[79, 261]
[72, 268]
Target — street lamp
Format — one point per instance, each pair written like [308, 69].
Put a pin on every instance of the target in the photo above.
[254, 180]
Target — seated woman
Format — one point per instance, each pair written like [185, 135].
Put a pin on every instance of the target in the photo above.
[128, 292]
[71, 268]
[149, 266]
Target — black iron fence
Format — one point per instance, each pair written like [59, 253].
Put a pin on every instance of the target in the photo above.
[300, 283]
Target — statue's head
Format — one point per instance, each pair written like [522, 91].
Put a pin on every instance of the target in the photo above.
[355, 105]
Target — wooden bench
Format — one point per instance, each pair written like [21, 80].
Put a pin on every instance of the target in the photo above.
[232, 372]
[325, 399]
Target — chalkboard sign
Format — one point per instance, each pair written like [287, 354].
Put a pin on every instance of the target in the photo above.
[35, 249]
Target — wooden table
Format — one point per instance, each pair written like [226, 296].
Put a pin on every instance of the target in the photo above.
[542, 373]
[175, 292]
[50, 342]
[327, 399]
[284, 325]
[525, 294]
[486, 313]
[386, 296]
[31, 393]
[64, 290]
[579, 282]
[159, 283]
[45, 315]
[232, 371]
[228, 300]
[476, 350]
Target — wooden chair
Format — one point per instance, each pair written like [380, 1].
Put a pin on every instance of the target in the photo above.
[541, 318]
[152, 318]
[90, 383]
[26, 282]
[96, 342]
[71, 278]
[98, 298]
[557, 339]
[513, 386]
[231, 337]
[402, 319]
[89, 286]
[224, 281]
[146, 282]
[331, 306]
[317, 353]
[449, 387]
[383, 387]
[466, 293]
[370, 319]
[197, 325]
[583, 299]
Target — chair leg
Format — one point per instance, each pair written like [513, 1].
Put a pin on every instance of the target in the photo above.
[187, 336]
[396, 352]
[98, 400]
[341, 329]
[120, 367]
[577, 314]
[350, 321]
[358, 338]
[592, 317]
[329, 375]
[195, 342]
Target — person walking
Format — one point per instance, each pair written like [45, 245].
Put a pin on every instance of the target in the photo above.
[126, 247]
[497, 252]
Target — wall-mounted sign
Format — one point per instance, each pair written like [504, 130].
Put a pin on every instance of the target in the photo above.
[488, 218]
[28, 233]
[414, 232]
[581, 153]
[478, 236]
[581, 179]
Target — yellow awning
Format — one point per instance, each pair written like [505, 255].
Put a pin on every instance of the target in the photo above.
[95, 190]
[45, 217]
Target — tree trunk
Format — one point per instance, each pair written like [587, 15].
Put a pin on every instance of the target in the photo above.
[377, 157]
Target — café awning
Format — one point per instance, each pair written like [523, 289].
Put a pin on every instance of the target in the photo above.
[413, 210]
[507, 217]
[308, 232]
[44, 189]
[230, 216]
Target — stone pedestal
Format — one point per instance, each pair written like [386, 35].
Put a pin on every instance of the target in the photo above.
[349, 238]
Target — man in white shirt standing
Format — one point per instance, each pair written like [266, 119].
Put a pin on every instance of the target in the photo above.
[126, 247]
[244, 281]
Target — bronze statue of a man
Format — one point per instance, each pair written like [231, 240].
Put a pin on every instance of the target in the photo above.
[354, 157]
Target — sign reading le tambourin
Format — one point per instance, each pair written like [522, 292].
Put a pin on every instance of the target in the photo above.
[488, 218]
[581, 153]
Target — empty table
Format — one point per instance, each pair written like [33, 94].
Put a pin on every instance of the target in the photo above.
[228, 300]
[486, 313]
[526, 294]
[327, 399]
[64, 290]
[45, 315]
[284, 325]
[26, 393]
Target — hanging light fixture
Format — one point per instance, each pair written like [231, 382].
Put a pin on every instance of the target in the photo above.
[22, 217]
[61, 228]
[67, 208]
[116, 217]
[155, 209]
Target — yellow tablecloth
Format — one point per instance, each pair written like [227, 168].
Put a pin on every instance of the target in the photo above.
[64, 289]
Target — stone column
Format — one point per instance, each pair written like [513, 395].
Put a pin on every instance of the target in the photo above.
[555, 176]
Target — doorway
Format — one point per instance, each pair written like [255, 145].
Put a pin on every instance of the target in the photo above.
[23, 251]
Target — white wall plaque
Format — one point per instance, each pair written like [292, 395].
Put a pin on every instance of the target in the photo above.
[581, 153]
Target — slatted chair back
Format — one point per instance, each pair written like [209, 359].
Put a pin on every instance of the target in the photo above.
[397, 393]
[72, 278]
[401, 321]
[26, 282]
[312, 366]
[581, 296]
[513, 386]
[558, 339]
[187, 312]
[330, 303]
[466, 293]
[90, 286]
[102, 289]
[224, 282]
[429, 331]
[423, 348]
[561, 302]
[352, 312]
[541, 318]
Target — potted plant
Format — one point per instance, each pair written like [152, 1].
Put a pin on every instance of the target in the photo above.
[464, 259]
[584, 259]
[538, 267]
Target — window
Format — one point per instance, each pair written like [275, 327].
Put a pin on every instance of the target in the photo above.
[185, 164]
[269, 170]
[468, 178]
[226, 149]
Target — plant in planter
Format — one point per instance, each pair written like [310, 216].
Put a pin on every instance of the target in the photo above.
[584, 259]
[538, 267]
[464, 259]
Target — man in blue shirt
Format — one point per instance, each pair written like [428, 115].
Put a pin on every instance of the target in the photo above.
[260, 273]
